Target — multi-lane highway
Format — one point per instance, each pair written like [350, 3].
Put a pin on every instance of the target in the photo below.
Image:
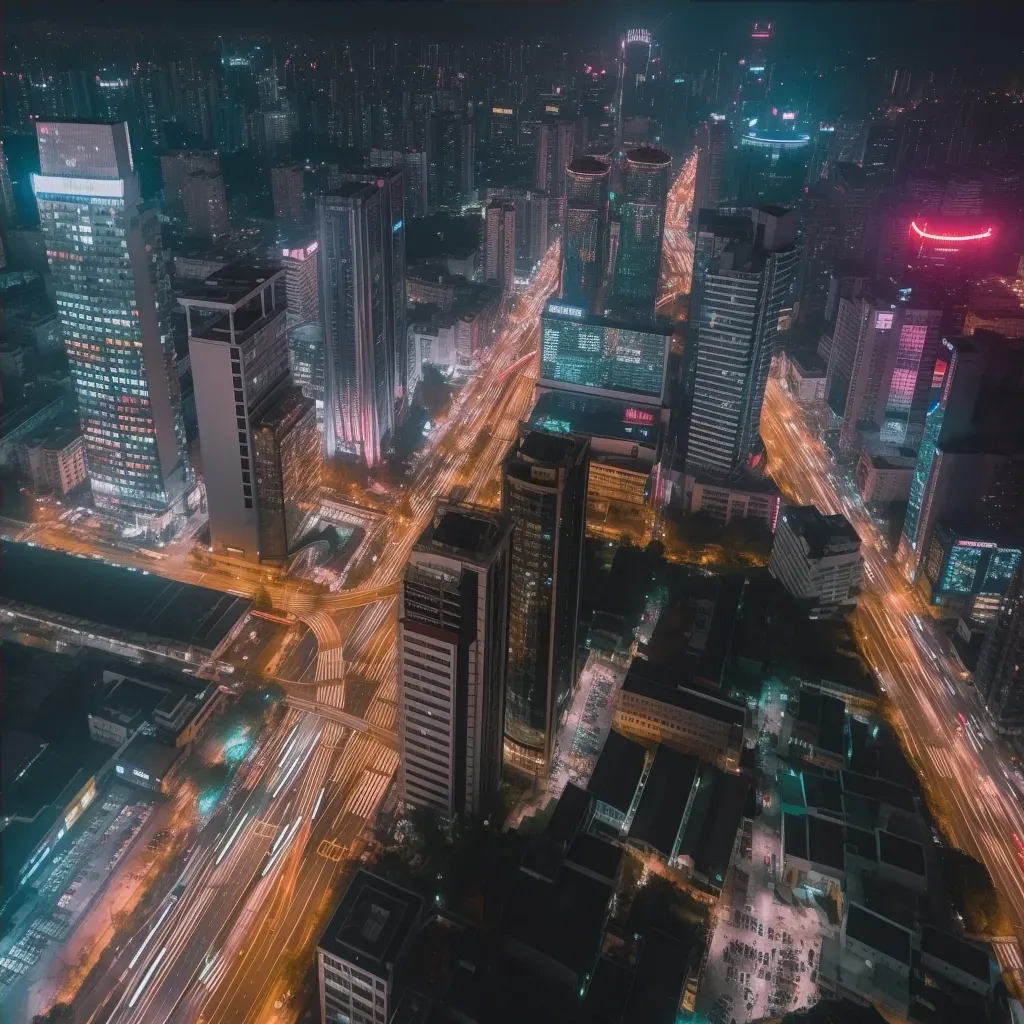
[965, 771]
[224, 944]
[677, 251]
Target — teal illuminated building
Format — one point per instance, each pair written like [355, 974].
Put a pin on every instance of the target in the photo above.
[641, 210]
[602, 355]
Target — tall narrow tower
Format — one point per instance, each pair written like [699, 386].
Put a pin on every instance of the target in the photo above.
[114, 299]
[584, 231]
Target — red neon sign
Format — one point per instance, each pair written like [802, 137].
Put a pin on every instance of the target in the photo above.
[633, 415]
[923, 232]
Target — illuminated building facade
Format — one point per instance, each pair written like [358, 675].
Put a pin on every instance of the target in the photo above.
[206, 205]
[712, 143]
[999, 676]
[500, 246]
[584, 232]
[287, 182]
[452, 657]
[113, 297]
[362, 301]
[642, 209]
[543, 495]
[966, 575]
[744, 272]
[305, 332]
[239, 353]
[553, 153]
[602, 355]
[635, 99]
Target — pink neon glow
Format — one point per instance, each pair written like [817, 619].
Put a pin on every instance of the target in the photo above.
[922, 232]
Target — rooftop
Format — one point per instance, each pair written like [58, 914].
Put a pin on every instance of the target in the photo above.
[372, 923]
[570, 814]
[588, 165]
[656, 682]
[663, 801]
[968, 957]
[115, 597]
[827, 716]
[596, 416]
[880, 790]
[617, 772]
[901, 853]
[148, 756]
[465, 531]
[648, 155]
[876, 932]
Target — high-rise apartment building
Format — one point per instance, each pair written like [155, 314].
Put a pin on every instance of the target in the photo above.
[176, 167]
[820, 228]
[206, 205]
[502, 139]
[452, 656]
[552, 155]
[305, 332]
[712, 143]
[744, 271]
[544, 486]
[114, 300]
[500, 246]
[642, 207]
[362, 300]
[257, 432]
[999, 676]
[532, 230]
[584, 232]
[287, 183]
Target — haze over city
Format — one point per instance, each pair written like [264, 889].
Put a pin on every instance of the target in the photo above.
[511, 512]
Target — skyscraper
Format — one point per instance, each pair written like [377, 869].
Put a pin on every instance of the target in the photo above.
[642, 209]
[712, 142]
[414, 164]
[257, 432]
[584, 232]
[452, 657]
[8, 209]
[451, 160]
[634, 93]
[500, 246]
[771, 167]
[544, 486]
[972, 439]
[206, 204]
[554, 149]
[999, 676]
[301, 261]
[743, 274]
[113, 296]
[362, 302]
[175, 167]
[287, 183]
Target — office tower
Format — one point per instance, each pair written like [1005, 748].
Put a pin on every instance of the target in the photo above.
[277, 128]
[882, 150]
[206, 205]
[999, 676]
[584, 232]
[502, 141]
[858, 194]
[300, 261]
[287, 182]
[176, 167]
[288, 456]
[712, 143]
[361, 956]
[634, 106]
[819, 242]
[451, 160]
[414, 164]
[113, 296]
[771, 167]
[970, 453]
[362, 302]
[500, 246]
[532, 230]
[880, 368]
[257, 432]
[554, 150]
[625, 359]
[746, 274]
[963, 197]
[543, 496]
[452, 656]
[642, 207]
[817, 559]
[8, 208]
